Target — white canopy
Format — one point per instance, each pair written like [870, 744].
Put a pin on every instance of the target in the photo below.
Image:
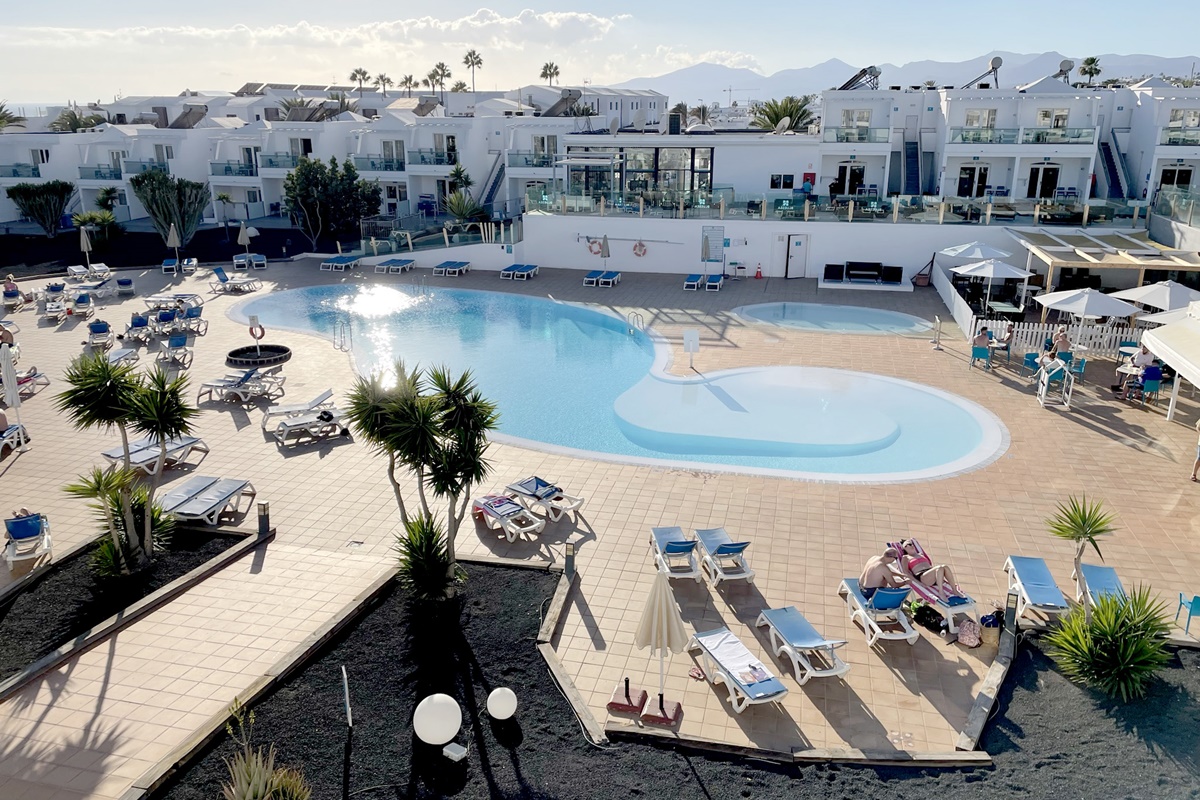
[1165, 317]
[1178, 345]
[1087, 303]
[974, 250]
[1167, 295]
[991, 269]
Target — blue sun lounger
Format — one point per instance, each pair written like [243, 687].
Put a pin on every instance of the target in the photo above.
[794, 636]
[609, 279]
[1101, 580]
[395, 266]
[452, 268]
[883, 607]
[1030, 578]
[714, 283]
[724, 558]
[525, 272]
[340, 263]
[727, 660]
[510, 272]
[674, 554]
[206, 498]
[593, 277]
[692, 282]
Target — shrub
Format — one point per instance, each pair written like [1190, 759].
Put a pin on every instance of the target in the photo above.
[251, 775]
[1121, 649]
[289, 784]
[424, 560]
[43, 203]
[104, 560]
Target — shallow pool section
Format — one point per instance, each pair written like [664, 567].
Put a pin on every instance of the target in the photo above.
[833, 318]
[571, 378]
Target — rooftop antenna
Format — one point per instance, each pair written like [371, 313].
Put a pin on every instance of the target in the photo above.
[993, 70]
[1064, 70]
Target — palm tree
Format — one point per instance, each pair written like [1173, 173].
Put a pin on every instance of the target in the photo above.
[549, 72]
[1090, 68]
[10, 117]
[342, 105]
[472, 61]
[681, 109]
[103, 485]
[458, 86]
[225, 199]
[460, 179]
[289, 104]
[70, 120]
[408, 83]
[700, 113]
[581, 110]
[360, 76]
[382, 82]
[1083, 523]
[798, 110]
[442, 73]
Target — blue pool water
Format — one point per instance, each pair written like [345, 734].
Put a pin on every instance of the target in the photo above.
[834, 319]
[567, 376]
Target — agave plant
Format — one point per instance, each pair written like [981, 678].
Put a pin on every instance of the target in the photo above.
[289, 784]
[251, 775]
[462, 207]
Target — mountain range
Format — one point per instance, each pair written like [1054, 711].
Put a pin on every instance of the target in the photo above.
[712, 82]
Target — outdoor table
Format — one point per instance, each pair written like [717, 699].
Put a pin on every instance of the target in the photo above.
[1129, 351]
[1003, 308]
[124, 355]
[1129, 369]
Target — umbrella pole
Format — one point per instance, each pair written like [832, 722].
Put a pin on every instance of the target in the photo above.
[21, 432]
[662, 681]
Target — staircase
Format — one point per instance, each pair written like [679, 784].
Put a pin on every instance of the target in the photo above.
[494, 185]
[912, 168]
[1116, 184]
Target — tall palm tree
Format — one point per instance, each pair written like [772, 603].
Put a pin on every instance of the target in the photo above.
[549, 72]
[382, 82]
[798, 110]
[1090, 68]
[472, 61]
[408, 83]
[700, 113]
[1083, 523]
[10, 117]
[360, 76]
[460, 179]
[102, 485]
[443, 74]
[681, 109]
[458, 86]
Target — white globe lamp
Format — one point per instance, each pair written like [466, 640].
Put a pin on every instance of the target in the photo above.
[437, 719]
[502, 703]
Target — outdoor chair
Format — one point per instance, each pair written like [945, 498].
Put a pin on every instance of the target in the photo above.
[884, 607]
[1031, 363]
[26, 537]
[1193, 609]
[673, 554]
[1101, 580]
[794, 636]
[983, 354]
[176, 350]
[724, 558]
[100, 335]
[501, 511]
[193, 320]
[1030, 578]
[726, 660]
[13, 300]
[1077, 367]
[537, 493]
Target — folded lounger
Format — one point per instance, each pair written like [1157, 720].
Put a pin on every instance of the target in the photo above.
[224, 283]
[1101, 580]
[593, 277]
[323, 400]
[674, 554]
[883, 607]
[794, 636]
[692, 282]
[77, 272]
[340, 263]
[948, 608]
[26, 537]
[144, 453]
[509, 272]
[714, 283]
[206, 498]
[100, 335]
[1030, 578]
[395, 266]
[12, 436]
[171, 265]
[536, 492]
[727, 660]
[99, 270]
[724, 558]
[501, 511]
[316, 424]
[609, 279]
[526, 272]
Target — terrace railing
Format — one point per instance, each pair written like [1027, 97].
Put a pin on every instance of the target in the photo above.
[433, 157]
[20, 171]
[377, 164]
[277, 160]
[528, 159]
[99, 173]
[857, 135]
[1180, 137]
[133, 167]
[984, 135]
[232, 168]
[1058, 136]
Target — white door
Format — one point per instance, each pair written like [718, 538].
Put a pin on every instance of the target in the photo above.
[779, 256]
[797, 256]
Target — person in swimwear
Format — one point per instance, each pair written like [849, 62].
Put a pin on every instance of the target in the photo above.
[938, 577]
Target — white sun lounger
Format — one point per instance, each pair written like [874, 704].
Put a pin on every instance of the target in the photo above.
[144, 453]
[883, 607]
[26, 537]
[243, 388]
[205, 498]
[501, 511]
[77, 272]
[13, 436]
[316, 424]
[1030, 578]
[727, 660]
[794, 636]
[323, 400]
[100, 271]
[674, 554]
[535, 492]
[724, 559]
[1101, 580]
[224, 283]
[692, 282]
[950, 609]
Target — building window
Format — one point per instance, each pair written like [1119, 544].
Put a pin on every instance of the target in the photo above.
[783, 181]
[1052, 118]
[252, 196]
[271, 114]
[119, 119]
[370, 112]
[856, 117]
[39, 156]
[981, 118]
[163, 152]
[122, 200]
[1184, 118]
[301, 147]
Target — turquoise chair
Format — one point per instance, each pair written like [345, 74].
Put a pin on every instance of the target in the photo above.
[1077, 368]
[1150, 390]
[1030, 363]
[1065, 357]
[981, 353]
[1193, 607]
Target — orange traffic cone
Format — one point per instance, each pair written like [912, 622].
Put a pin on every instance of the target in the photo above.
[758, 272]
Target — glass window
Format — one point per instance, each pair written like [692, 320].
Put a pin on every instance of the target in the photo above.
[639, 158]
[675, 158]
[1052, 118]
[40, 156]
[1184, 118]
[703, 158]
[981, 118]
[856, 117]
[780, 181]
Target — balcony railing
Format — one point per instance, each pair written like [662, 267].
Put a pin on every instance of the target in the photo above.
[135, 167]
[1058, 136]
[378, 164]
[20, 171]
[433, 157]
[97, 173]
[984, 135]
[232, 168]
[1189, 137]
[524, 158]
[277, 160]
[857, 135]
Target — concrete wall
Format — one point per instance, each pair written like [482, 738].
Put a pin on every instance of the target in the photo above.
[1174, 234]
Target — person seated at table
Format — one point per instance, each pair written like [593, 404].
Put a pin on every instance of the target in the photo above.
[879, 574]
[982, 339]
[938, 577]
[1137, 386]
[1061, 343]
[1141, 359]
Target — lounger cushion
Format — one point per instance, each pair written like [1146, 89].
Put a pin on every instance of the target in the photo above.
[796, 630]
[24, 528]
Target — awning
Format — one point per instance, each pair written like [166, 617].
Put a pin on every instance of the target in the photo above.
[1178, 344]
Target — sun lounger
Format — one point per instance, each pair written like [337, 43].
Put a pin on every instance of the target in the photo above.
[144, 453]
[164, 322]
[452, 268]
[193, 320]
[714, 283]
[54, 292]
[160, 302]
[241, 387]
[674, 554]
[56, 310]
[29, 380]
[77, 272]
[26, 537]
[13, 436]
[314, 425]
[395, 266]
[271, 413]
[883, 607]
[1030, 578]
[100, 335]
[241, 261]
[535, 492]
[525, 272]
[224, 283]
[724, 558]
[339, 263]
[593, 277]
[1101, 580]
[794, 636]
[123, 355]
[727, 660]
[170, 266]
[692, 282]
[176, 350]
[205, 498]
[100, 289]
[82, 306]
[501, 511]
[100, 271]
[14, 300]
[950, 609]
[609, 279]
[125, 286]
[188, 265]
[509, 273]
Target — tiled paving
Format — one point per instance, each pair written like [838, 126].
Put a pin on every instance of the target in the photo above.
[806, 535]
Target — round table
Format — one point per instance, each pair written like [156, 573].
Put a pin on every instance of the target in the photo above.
[1129, 369]
[1128, 351]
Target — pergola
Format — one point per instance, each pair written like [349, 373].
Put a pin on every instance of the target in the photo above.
[1092, 249]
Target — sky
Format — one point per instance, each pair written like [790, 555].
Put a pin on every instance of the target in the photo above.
[86, 51]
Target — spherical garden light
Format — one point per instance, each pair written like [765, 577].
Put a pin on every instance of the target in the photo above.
[502, 703]
[437, 719]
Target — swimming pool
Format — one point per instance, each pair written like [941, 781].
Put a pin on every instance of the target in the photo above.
[571, 378]
[834, 319]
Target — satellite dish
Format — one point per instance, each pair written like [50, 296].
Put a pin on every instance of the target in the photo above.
[995, 63]
[639, 118]
[614, 126]
[783, 124]
[1066, 65]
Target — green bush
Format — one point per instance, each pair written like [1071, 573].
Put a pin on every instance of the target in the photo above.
[289, 784]
[424, 560]
[1122, 648]
[104, 560]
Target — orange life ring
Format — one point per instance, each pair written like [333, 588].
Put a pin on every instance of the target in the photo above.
[639, 249]
[257, 331]
[594, 247]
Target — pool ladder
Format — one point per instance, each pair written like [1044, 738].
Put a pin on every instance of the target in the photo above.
[635, 322]
[343, 336]
[419, 286]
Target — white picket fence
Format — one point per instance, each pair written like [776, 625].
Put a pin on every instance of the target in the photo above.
[1101, 341]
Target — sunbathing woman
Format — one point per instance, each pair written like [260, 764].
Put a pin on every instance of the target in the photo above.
[938, 577]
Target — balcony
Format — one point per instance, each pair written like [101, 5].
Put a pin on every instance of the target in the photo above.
[235, 169]
[277, 160]
[20, 171]
[377, 164]
[984, 135]
[136, 167]
[98, 173]
[527, 159]
[433, 157]
[1058, 136]
[857, 135]
[1180, 137]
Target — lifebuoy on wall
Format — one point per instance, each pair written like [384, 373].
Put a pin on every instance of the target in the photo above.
[594, 247]
[258, 332]
[639, 249]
